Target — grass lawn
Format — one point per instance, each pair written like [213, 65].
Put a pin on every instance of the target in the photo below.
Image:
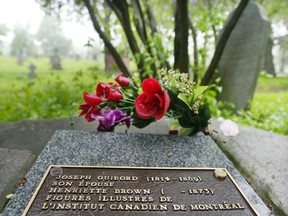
[52, 94]
[269, 108]
[14, 76]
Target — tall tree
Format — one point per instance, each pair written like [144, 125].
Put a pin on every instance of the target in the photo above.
[105, 38]
[22, 41]
[3, 31]
[51, 37]
[181, 57]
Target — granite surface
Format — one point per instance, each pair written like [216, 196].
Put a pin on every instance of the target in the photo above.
[142, 150]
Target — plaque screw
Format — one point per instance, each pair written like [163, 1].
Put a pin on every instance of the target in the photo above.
[55, 171]
[220, 173]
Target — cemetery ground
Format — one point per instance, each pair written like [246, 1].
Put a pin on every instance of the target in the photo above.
[51, 94]
[57, 93]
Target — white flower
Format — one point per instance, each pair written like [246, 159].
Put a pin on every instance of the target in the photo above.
[229, 128]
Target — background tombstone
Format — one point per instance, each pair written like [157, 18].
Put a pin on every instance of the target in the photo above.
[110, 64]
[242, 57]
[32, 72]
[20, 57]
[55, 61]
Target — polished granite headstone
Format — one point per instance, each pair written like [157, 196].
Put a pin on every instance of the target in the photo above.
[140, 150]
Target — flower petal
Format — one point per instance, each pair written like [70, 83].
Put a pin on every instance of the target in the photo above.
[91, 99]
[92, 110]
[229, 128]
[122, 80]
[114, 95]
[85, 107]
[151, 85]
[166, 102]
[142, 110]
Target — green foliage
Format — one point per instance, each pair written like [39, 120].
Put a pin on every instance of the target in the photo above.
[269, 108]
[199, 120]
[141, 123]
[269, 111]
[52, 94]
[276, 9]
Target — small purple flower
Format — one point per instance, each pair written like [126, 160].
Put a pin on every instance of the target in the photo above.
[110, 118]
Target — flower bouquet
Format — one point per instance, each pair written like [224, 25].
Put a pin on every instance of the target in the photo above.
[174, 96]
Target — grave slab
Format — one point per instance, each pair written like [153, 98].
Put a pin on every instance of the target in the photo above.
[136, 150]
[14, 164]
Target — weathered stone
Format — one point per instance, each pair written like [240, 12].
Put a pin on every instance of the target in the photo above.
[268, 64]
[142, 150]
[242, 57]
[262, 157]
[33, 135]
[55, 61]
[32, 72]
[110, 64]
[14, 164]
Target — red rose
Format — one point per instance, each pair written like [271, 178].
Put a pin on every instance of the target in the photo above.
[122, 80]
[153, 102]
[109, 91]
[90, 106]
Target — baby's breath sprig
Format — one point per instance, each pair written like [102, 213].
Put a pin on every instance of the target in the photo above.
[177, 82]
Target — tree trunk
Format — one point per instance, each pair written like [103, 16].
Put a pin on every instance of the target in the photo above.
[181, 57]
[121, 10]
[208, 77]
[106, 41]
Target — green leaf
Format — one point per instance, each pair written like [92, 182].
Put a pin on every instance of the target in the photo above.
[174, 125]
[186, 131]
[199, 91]
[141, 123]
[184, 99]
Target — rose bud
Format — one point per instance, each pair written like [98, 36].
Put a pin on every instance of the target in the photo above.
[122, 80]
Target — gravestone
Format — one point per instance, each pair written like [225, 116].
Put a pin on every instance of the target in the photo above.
[32, 72]
[55, 61]
[110, 64]
[133, 150]
[20, 57]
[242, 57]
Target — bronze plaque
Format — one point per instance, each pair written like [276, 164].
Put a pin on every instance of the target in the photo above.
[78, 190]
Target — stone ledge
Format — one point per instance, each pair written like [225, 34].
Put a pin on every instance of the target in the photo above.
[261, 156]
[14, 164]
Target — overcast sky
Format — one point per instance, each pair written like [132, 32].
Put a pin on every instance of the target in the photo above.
[28, 13]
